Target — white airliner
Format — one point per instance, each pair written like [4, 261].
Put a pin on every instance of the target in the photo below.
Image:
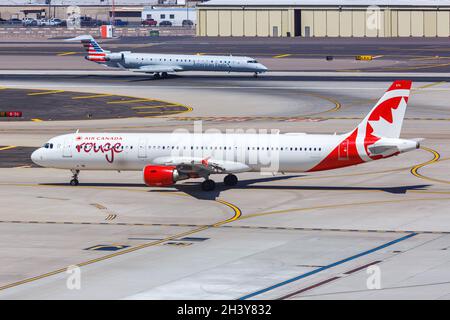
[161, 64]
[166, 158]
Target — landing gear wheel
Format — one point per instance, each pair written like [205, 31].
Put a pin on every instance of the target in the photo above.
[164, 75]
[208, 185]
[156, 76]
[230, 180]
[255, 75]
[74, 181]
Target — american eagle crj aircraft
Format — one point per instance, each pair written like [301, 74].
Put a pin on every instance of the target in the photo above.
[161, 64]
[166, 158]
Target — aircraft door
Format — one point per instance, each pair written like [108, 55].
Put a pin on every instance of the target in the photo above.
[343, 150]
[67, 149]
[142, 148]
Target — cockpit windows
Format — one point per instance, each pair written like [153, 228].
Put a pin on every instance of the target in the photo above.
[48, 145]
[252, 61]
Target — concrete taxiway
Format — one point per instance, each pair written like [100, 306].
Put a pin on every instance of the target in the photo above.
[291, 236]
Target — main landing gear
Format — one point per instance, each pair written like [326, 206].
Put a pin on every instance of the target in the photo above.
[229, 180]
[208, 185]
[158, 75]
[74, 181]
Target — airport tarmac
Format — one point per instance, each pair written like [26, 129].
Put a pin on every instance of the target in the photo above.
[291, 236]
[278, 54]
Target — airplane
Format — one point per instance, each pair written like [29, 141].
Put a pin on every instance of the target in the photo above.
[166, 158]
[161, 64]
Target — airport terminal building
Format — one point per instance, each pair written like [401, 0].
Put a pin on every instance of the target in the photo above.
[324, 18]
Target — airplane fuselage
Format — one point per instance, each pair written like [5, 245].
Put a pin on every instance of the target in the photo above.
[240, 152]
[128, 60]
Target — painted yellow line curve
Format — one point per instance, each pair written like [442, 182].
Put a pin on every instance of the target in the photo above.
[337, 104]
[237, 213]
[436, 157]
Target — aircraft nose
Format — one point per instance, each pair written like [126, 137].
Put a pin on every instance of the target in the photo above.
[263, 67]
[36, 156]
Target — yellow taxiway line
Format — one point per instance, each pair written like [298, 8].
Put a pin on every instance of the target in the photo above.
[66, 53]
[436, 157]
[282, 55]
[129, 101]
[93, 96]
[7, 148]
[236, 215]
[431, 85]
[45, 92]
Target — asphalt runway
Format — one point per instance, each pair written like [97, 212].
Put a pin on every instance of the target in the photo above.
[48, 105]
[291, 236]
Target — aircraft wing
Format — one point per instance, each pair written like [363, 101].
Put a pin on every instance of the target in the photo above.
[201, 166]
[157, 68]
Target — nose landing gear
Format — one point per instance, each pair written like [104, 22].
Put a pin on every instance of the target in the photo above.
[74, 181]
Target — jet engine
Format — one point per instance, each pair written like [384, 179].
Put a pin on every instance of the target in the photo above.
[162, 176]
[116, 56]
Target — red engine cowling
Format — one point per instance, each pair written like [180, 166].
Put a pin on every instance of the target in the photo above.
[160, 176]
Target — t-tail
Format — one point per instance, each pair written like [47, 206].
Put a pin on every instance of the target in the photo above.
[93, 49]
[378, 134]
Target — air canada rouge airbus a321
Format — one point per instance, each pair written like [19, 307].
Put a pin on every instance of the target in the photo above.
[166, 158]
[160, 64]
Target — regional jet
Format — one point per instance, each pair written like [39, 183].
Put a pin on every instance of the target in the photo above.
[165, 158]
[160, 65]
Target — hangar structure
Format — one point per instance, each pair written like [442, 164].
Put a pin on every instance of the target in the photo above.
[324, 18]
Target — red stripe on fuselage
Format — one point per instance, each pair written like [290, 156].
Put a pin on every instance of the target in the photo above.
[336, 160]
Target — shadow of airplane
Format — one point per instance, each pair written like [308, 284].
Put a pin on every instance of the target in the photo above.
[193, 188]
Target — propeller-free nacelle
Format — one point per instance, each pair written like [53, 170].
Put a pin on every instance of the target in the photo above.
[116, 56]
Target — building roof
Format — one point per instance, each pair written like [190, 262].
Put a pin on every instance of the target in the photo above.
[393, 3]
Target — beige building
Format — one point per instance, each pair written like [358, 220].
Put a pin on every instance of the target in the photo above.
[324, 18]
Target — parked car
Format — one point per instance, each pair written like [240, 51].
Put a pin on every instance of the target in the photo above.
[2, 21]
[165, 23]
[120, 23]
[54, 22]
[187, 23]
[89, 22]
[14, 21]
[26, 22]
[149, 23]
[42, 22]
